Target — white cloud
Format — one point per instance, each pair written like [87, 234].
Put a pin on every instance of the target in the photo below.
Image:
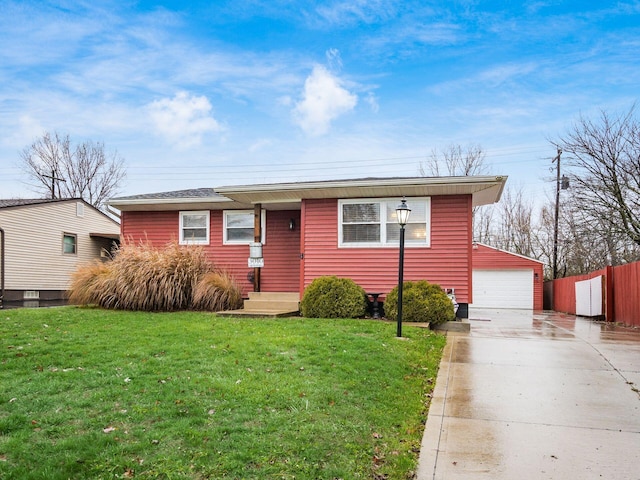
[323, 101]
[25, 131]
[356, 12]
[334, 59]
[284, 101]
[183, 119]
[373, 102]
[260, 144]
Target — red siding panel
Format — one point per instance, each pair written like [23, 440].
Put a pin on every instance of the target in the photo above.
[157, 228]
[489, 258]
[281, 272]
[446, 262]
[232, 258]
[281, 252]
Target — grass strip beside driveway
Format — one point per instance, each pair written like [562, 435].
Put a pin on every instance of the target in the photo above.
[89, 393]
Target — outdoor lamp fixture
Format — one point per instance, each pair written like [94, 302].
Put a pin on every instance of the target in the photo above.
[402, 214]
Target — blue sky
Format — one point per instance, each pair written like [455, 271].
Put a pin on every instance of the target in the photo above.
[202, 94]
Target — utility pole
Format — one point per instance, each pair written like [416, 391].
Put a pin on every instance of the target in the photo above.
[555, 227]
[54, 179]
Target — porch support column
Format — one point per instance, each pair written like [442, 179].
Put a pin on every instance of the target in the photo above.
[257, 237]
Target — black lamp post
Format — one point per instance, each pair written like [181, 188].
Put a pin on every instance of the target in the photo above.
[402, 213]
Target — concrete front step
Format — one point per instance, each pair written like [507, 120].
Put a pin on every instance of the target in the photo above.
[268, 304]
[275, 296]
[288, 301]
[253, 305]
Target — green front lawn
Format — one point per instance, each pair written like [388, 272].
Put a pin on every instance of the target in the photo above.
[89, 393]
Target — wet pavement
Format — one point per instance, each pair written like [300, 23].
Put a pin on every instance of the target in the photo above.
[535, 396]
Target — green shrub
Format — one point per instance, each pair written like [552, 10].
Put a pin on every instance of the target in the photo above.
[422, 302]
[333, 297]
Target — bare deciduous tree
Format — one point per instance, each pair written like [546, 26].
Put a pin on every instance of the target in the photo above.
[515, 232]
[60, 170]
[585, 243]
[458, 161]
[483, 225]
[455, 161]
[605, 160]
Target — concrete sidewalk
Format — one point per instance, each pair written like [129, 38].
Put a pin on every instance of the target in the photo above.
[535, 396]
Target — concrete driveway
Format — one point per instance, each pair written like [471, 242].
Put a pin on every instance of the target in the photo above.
[535, 396]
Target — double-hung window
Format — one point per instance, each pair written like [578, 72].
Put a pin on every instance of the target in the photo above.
[69, 243]
[239, 227]
[194, 228]
[373, 222]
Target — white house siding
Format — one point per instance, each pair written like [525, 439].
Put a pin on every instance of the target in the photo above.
[33, 243]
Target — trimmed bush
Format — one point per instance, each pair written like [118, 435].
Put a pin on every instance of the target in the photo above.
[422, 302]
[142, 277]
[333, 297]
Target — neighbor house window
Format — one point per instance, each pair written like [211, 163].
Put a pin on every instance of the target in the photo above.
[373, 223]
[238, 227]
[194, 228]
[69, 241]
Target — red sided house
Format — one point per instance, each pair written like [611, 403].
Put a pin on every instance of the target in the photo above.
[346, 228]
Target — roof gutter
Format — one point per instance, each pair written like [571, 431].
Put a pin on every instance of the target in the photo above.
[166, 201]
[365, 182]
[484, 189]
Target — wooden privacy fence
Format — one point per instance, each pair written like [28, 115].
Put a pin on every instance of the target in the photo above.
[620, 293]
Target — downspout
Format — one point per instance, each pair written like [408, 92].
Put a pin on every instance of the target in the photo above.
[1, 268]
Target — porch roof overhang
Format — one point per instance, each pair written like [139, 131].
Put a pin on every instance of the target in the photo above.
[108, 236]
[483, 189]
[288, 196]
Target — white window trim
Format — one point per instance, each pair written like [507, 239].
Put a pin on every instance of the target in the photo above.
[263, 227]
[75, 243]
[383, 222]
[188, 241]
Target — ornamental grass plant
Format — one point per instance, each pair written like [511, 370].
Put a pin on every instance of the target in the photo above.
[92, 394]
[147, 278]
[217, 291]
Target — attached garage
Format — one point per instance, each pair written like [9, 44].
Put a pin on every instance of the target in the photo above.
[502, 279]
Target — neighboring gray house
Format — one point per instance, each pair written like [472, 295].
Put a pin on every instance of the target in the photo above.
[46, 240]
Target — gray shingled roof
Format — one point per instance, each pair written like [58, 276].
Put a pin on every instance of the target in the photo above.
[191, 193]
[18, 202]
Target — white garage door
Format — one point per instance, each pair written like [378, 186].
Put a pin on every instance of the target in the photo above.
[503, 288]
